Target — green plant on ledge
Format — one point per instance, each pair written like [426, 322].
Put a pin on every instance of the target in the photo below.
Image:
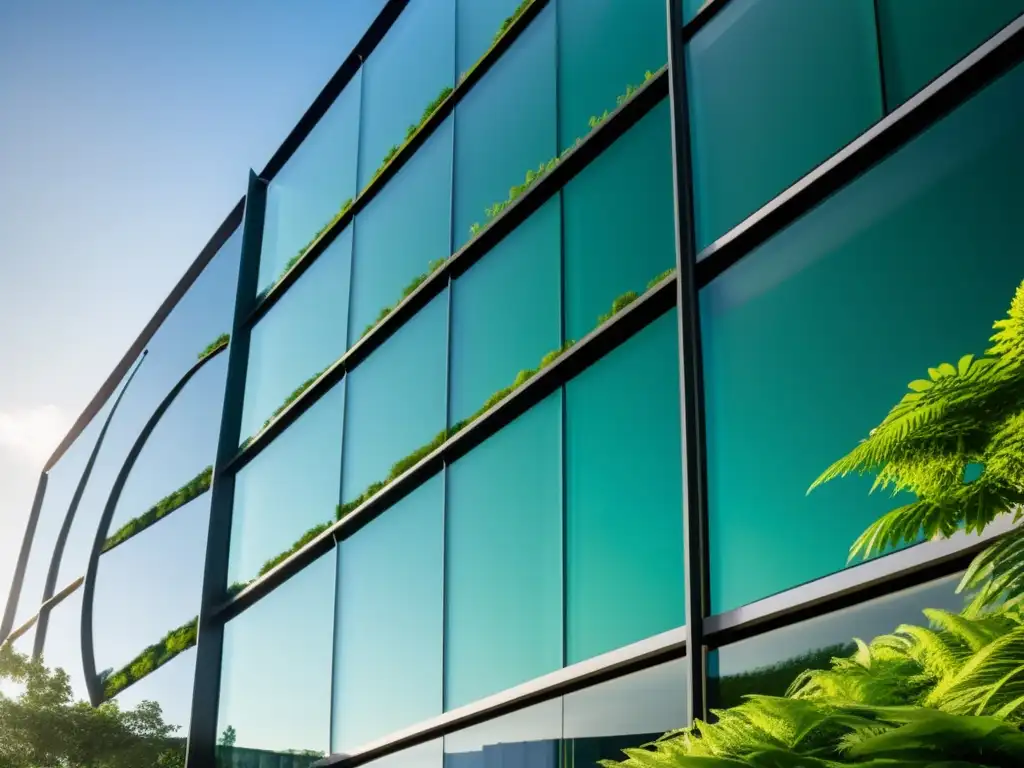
[292, 397]
[506, 25]
[950, 694]
[290, 265]
[217, 344]
[534, 176]
[175, 642]
[413, 284]
[193, 489]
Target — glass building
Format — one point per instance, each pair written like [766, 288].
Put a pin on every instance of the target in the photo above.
[481, 430]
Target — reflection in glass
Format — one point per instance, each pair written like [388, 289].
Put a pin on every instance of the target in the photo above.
[603, 46]
[388, 258]
[624, 518]
[769, 663]
[821, 311]
[309, 191]
[503, 555]
[775, 86]
[275, 691]
[397, 399]
[506, 311]
[300, 337]
[529, 737]
[492, 152]
[428, 755]
[921, 40]
[405, 72]
[619, 222]
[387, 668]
[288, 488]
[149, 585]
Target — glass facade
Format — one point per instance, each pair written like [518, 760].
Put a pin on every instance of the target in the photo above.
[538, 562]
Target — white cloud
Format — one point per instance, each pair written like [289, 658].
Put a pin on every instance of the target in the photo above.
[32, 433]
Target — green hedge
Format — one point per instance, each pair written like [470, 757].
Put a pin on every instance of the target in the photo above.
[175, 642]
[217, 344]
[193, 489]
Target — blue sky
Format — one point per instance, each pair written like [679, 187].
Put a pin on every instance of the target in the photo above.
[127, 128]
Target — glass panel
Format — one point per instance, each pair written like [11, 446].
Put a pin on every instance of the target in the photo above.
[289, 488]
[822, 313]
[529, 737]
[311, 188]
[603, 46]
[170, 687]
[429, 755]
[185, 441]
[478, 27]
[149, 586]
[504, 558]
[398, 399]
[492, 152]
[275, 686]
[692, 7]
[60, 489]
[387, 669]
[506, 311]
[630, 711]
[388, 258]
[619, 222]
[301, 336]
[414, 61]
[769, 663]
[920, 40]
[62, 647]
[624, 522]
[775, 88]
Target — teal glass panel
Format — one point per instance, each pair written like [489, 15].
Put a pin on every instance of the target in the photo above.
[478, 26]
[604, 46]
[619, 222]
[275, 684]
[396, 399]
[503, 556]
[769, 663]
[492, 151]
[506, 311]
[692, 7]
[624, 509]
[627, 712]
[149, 585]
[301, 335]
[405, 73]
[62, 646]
[388, 256]
[812, 338]
[309, 191]
[387, 667]
[923, 38]
[170, 688]
[289, 488]
[776, 87]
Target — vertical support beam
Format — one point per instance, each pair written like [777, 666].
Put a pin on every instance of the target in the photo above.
[202, 736]
[690, 374]
[19, 569]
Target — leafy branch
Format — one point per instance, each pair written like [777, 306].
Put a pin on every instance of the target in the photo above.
[193, 489]
[217, 344]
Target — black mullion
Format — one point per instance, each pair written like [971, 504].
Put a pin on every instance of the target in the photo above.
[202, 737]
[19, 569]
[690, 375]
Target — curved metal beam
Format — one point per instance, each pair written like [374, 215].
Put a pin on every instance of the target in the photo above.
[92, 680]
[7, 622]
[69, 517]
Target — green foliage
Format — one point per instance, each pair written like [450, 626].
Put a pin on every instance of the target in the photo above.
[290, 264]
[971, 413]
[534, 176]
[411, 132]
[618, 304]
[596, 120]
[776, 679]
[307, 537]
[152, 658]
[219, 343]
[295, 394]
[656, 280]
[506, 25]
[228, 738]
[407, 291]
[43, 726]
[194, 488]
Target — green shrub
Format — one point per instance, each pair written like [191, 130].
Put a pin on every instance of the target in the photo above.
[175, 642]
[307, 537]
[194, 488]
[410, 132]
[219, 343]
[506, 25]
[407, 291]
